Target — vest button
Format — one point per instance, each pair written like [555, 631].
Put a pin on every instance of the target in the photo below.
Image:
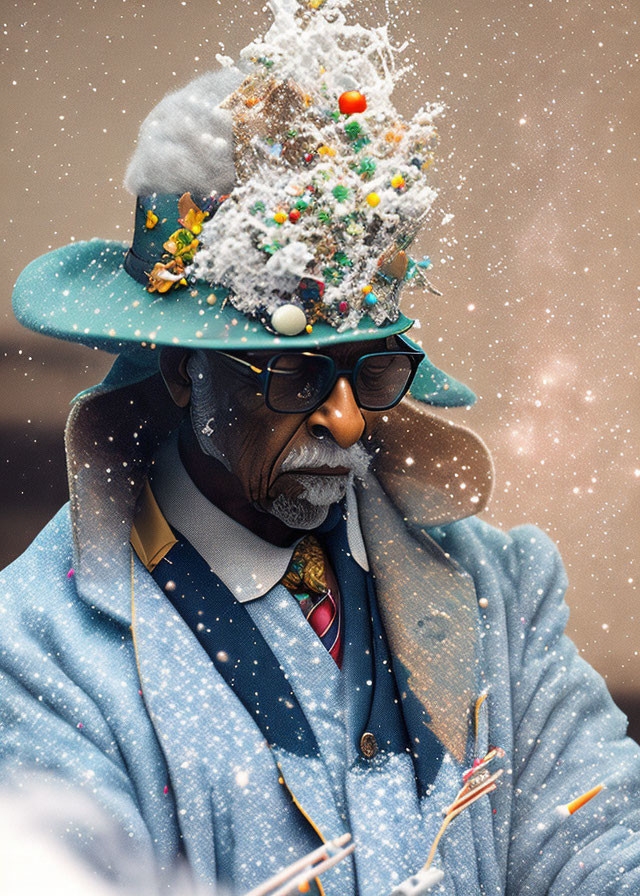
[368, 745]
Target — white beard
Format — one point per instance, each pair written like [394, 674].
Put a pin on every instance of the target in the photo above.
[311, 508]
[298, 514]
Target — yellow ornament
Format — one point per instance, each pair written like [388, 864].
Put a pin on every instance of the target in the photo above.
[398, 182]
[367, 289]
[326, 151]
[309, 328]
[279, 217]
[373, 199]
[151, 221]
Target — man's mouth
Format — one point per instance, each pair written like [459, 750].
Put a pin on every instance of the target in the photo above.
[320, 486]
[315, 471]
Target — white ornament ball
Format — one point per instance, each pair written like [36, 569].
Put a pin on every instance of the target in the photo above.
[289, 320]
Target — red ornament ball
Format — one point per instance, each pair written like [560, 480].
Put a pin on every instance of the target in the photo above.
[351, 102]
[294, 215]
[344, 307]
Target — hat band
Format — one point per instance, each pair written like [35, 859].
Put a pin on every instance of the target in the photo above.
[137, 267]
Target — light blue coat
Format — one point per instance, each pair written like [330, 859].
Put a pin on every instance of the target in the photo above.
[104, 686]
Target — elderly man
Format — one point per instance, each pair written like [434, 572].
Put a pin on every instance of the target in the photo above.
[269, 616]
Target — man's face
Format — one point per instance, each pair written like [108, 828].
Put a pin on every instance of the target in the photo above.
[294, 466]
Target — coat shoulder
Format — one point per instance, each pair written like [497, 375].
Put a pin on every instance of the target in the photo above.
[42, 576]
[523, 564]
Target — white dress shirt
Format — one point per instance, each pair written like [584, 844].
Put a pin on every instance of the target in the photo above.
[248, 565]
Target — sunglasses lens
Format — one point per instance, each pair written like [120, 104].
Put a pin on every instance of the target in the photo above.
[297, 382]
[382, 380]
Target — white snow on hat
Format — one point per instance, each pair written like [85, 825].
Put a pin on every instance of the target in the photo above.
[186, 142]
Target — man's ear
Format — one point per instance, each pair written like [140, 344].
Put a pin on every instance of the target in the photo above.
[173, 367]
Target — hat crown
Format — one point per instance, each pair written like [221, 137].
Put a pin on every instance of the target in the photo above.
[331, 184]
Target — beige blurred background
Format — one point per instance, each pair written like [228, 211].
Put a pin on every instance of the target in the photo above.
[540, 264]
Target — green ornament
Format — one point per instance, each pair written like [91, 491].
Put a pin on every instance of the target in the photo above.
[183, 238]
[361, 143]
[291, 133]
[272, 248]
[324, 215]
[302, 205]
[342, 260]
[367, 168]
[257, 207]
[340, 192]
[333, 275]
[353, 129]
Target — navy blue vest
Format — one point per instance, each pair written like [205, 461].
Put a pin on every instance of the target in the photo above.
[226, 631]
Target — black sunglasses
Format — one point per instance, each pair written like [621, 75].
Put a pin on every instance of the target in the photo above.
[297, 382]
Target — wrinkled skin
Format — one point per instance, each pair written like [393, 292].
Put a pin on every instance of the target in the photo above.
[252, 442]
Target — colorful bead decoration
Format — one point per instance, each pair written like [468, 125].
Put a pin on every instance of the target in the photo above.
[339, 177]
[352, 102]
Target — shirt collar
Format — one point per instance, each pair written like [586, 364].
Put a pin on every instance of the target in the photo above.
[248, 565]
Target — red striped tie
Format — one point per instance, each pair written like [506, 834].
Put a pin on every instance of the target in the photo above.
[312, 582]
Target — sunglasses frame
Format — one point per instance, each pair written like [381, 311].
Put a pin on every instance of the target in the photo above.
[264, 375]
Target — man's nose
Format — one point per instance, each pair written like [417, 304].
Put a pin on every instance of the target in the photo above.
[340, 415]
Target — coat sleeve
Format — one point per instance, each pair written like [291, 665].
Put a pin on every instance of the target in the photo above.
[568, 737]
[59, 750]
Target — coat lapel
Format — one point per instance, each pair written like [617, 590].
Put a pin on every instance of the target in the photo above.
[428, 608]
[426, 472]
[223, 776]
[317, 684]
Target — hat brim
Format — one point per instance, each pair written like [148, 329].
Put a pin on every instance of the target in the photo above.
[82, 293]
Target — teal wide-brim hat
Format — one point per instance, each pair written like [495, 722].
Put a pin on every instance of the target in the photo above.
[84, 293]
[270, 215]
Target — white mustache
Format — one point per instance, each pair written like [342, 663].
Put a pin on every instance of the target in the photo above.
[328, 454]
